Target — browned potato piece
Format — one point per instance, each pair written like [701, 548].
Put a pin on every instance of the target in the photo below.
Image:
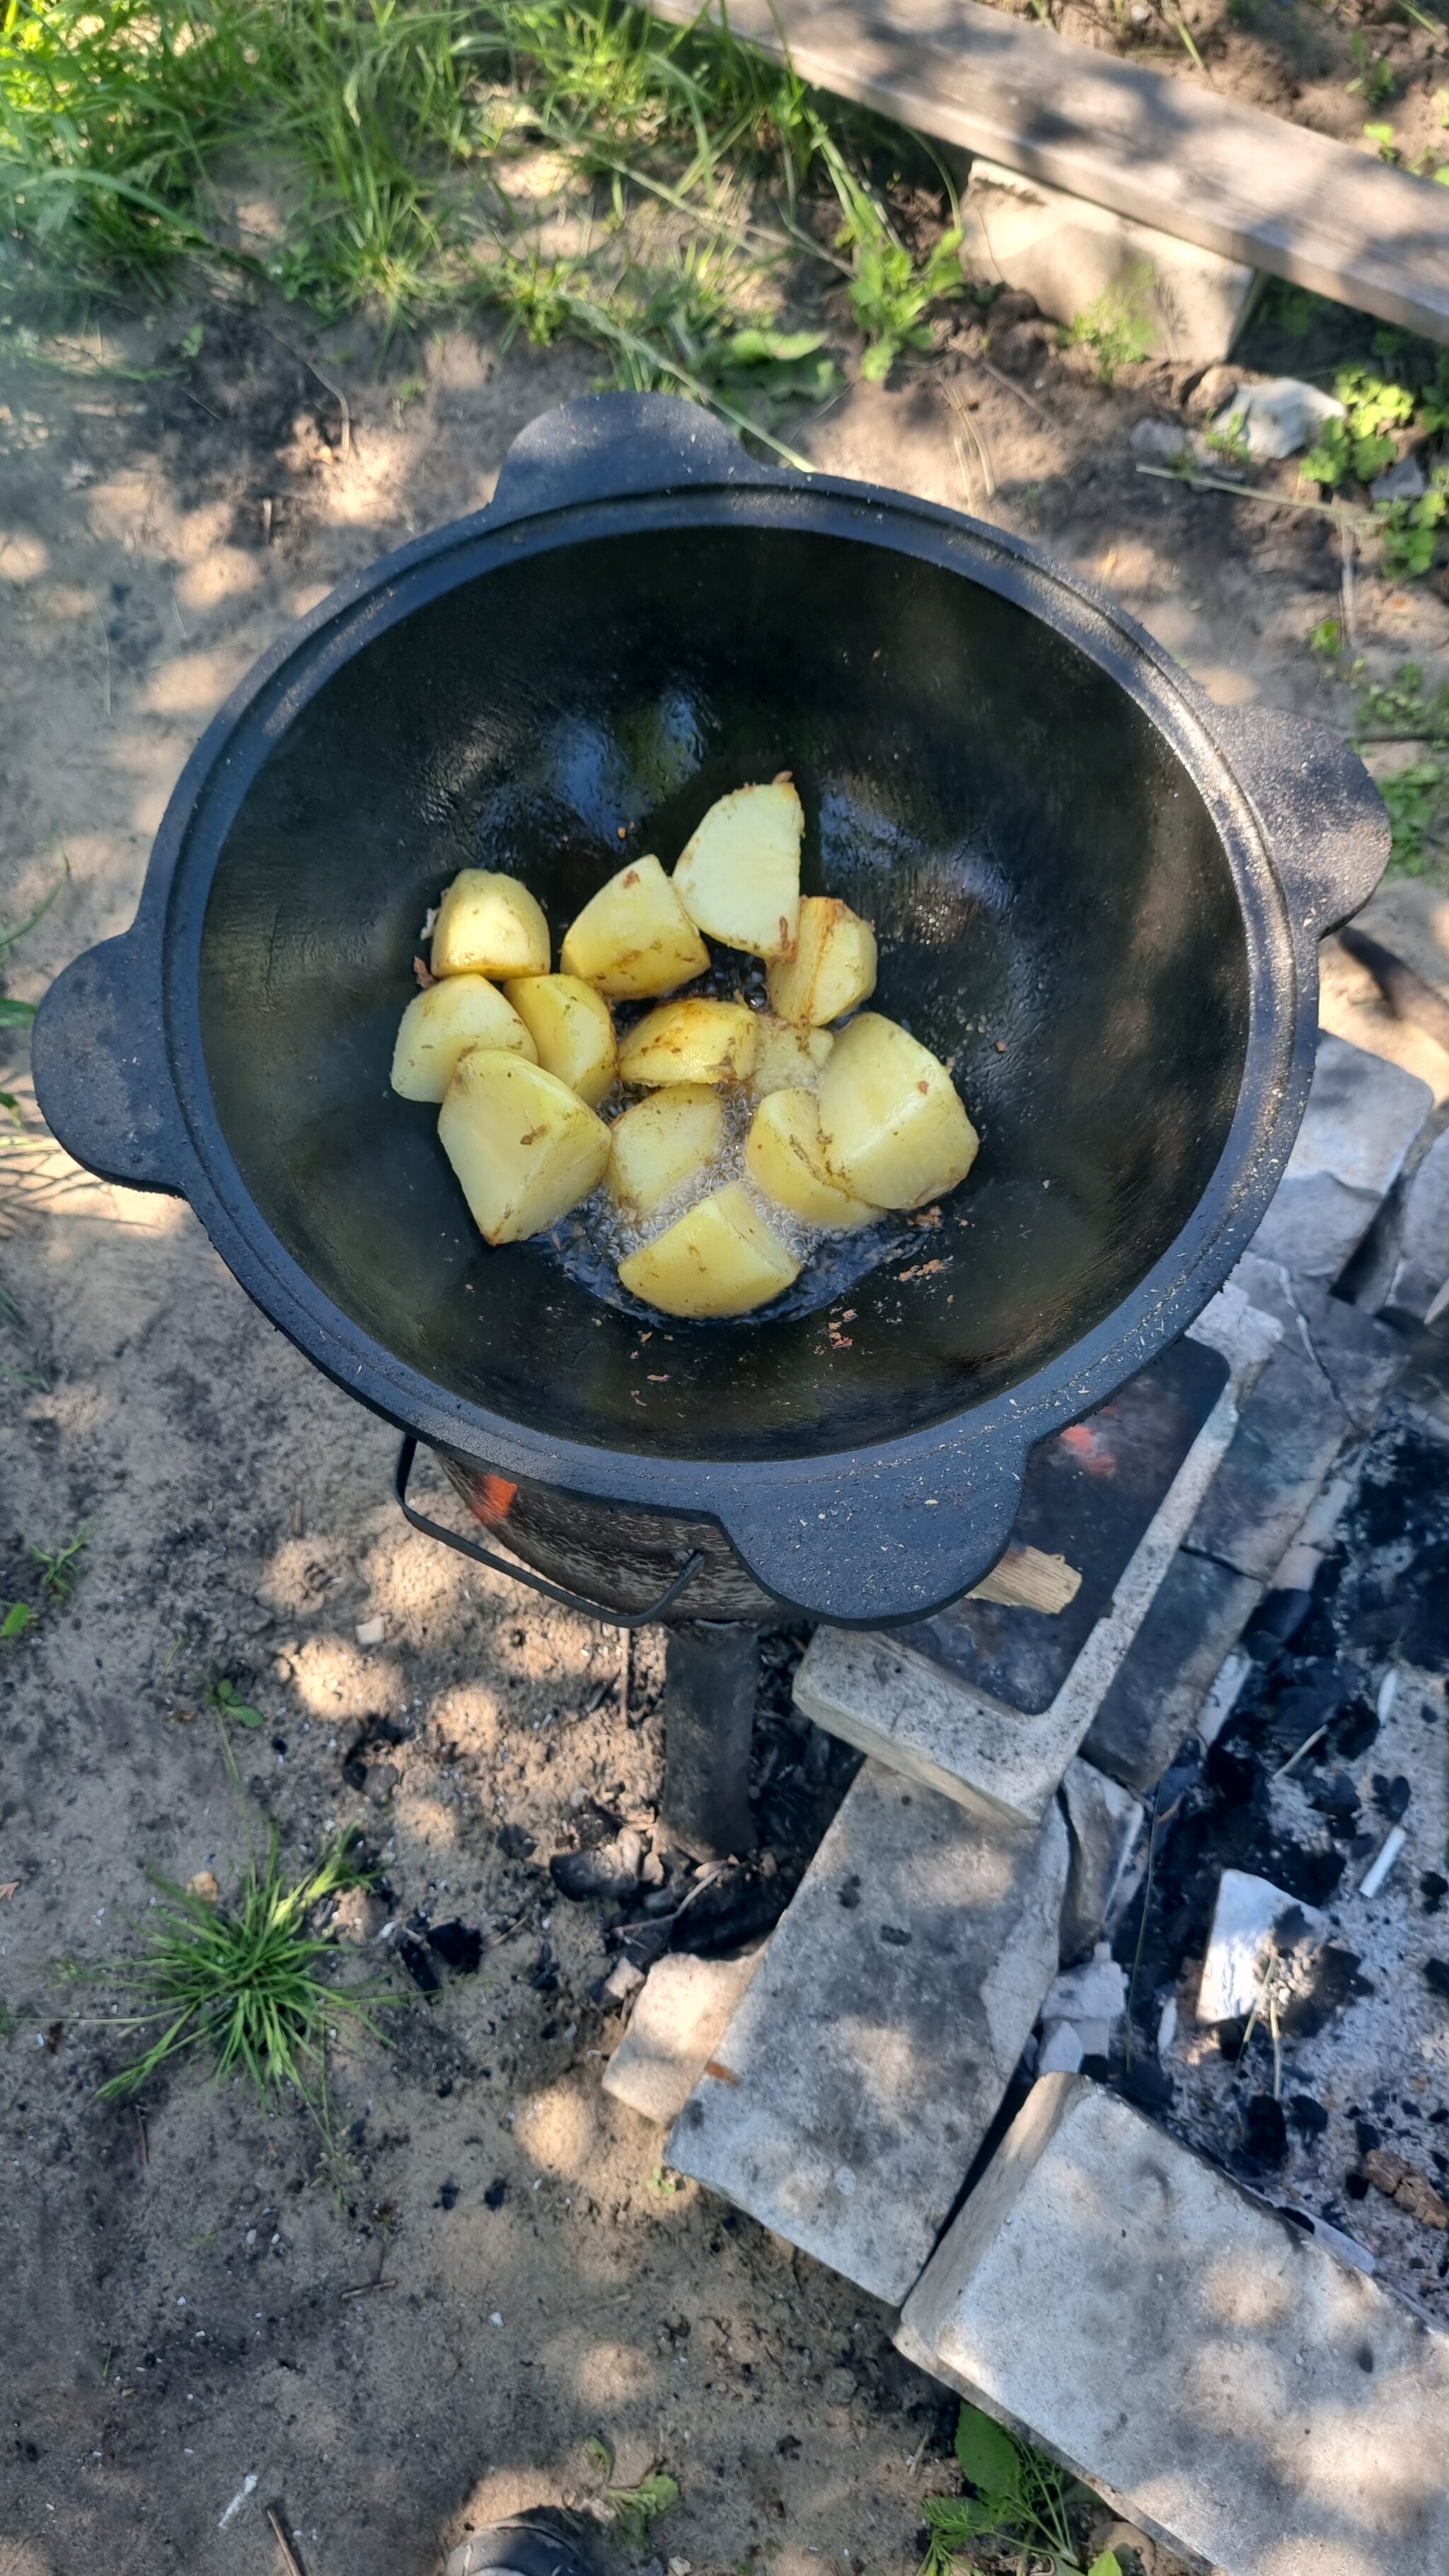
[832, 969]
[572, 1030]
[691, 1041]
[634, 938]
[523, 1145]
[668, 1138]
[787, 1059]
[785, 1158]
[489, 925]
[739, 876]
[441, 1024]
[892, 1125]
[720, 1259]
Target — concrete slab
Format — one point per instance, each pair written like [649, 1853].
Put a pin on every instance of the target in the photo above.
[684, 2010]
[1362, 1117]
[1423, 1264]
[856, 2082]
[1229, 2384]
[897, 1703]
[1068, 254]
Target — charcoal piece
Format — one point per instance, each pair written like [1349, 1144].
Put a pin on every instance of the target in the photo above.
[1366, 2137]
[1311, 1876]
[1433, 1888]
[1437, 1973]
[1147, 2084]
[1336, 1797]
[1356, 2185]
[496, 2193]
[1353, 1730]
[737, 1905]
[1265, 2131]
[1195, 1620]
[1309, 2118]
[447, 2195]
[1230, 2036]
[514, 1843]
[457, 1945]
[420, 1964]
[1391, 1797]
[609, 1870]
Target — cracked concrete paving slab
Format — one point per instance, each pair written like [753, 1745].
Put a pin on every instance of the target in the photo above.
[1363, 1116]
[1217, 2373]
[850, 2093]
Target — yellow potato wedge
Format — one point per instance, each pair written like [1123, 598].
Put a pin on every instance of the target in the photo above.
[720, 1259]
[572, 1029]
[664, 1142]
[634, 938]
[696, 1040]
[739, 875]
[489, 925]
[440, 1025]
[523, 1145]
[892, 1125]
[832, 969]
[787, 1059]
[784, 1157]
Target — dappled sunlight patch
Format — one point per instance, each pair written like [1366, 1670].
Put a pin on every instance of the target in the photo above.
[607, 2375]
[225, 573]
[64, 602]
[425, 1820]
[559, 2130]
[1252, 2302]
[196, 683]
[23, 556]
[468, 1716]
[1226, 687]
[334, 1678]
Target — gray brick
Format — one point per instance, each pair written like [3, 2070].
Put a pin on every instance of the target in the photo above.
[862, 2071]
[1197, 1618]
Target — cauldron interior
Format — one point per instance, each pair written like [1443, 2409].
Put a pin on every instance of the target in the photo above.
[1056, 914]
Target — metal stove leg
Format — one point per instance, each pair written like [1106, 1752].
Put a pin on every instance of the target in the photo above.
[710, 1671]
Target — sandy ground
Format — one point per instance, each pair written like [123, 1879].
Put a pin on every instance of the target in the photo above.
[184, 2303]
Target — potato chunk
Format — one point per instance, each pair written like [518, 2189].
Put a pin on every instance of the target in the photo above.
[832, 969]
[691, 1041]
[893, 1128]
[440, 1025]
[785, 1158]
[523, 1145]
[663, 1142]
[572, 1029]
[720, 1259]
[634, 938]
[739, 876]
[489, 925]
[787, 1059]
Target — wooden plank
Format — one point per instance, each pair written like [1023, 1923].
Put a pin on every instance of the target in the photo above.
[1166, 152]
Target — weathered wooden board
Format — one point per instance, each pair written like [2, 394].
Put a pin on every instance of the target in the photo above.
[1167, 152]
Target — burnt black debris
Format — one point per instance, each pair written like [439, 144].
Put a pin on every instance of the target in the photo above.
[1433, 1888]
[458, 1945]
[1437, 1973]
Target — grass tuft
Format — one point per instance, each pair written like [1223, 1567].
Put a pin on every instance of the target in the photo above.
[575, 164]
[242, 1984]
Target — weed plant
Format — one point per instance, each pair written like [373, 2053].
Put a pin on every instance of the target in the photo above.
[688, 177]
[1019, 2500]
[1417, 796]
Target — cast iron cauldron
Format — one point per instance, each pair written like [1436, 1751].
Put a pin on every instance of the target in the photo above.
[1098, 894]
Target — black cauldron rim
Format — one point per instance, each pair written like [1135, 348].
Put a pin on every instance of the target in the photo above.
[862, 1537]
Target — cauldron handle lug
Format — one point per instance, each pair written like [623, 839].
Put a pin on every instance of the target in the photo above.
[524, 1574]
[607, 445]
[98, 1055]
[891, 1543]
[1326, 821]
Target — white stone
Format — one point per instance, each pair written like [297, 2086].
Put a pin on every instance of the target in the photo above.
[622, 1981]
[1061, 2051]
[1105, 1822]
[898, 1704]
[685, 2008]
[1245, 1942]
[1221, 2377]
[1096, 1991]
[881, 2030]
[1405, 481]
[1068, 255]
[371, 1632]
[1362, 1117]
[1277, 418]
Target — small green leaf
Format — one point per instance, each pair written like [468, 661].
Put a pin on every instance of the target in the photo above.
[988, 2455]
[18, 1618]
[15, 1015]
[1109, 2564]
[226, 1699]
[601, 2458]
[753, 348]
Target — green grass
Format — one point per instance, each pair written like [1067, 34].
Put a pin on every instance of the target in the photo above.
[1116, 328]
[633, 2510]
[241, 1984]
[693, 178]
[1019, 2500]
[1417, 795]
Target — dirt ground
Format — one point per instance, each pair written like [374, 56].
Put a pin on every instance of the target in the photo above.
[184, 2303]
